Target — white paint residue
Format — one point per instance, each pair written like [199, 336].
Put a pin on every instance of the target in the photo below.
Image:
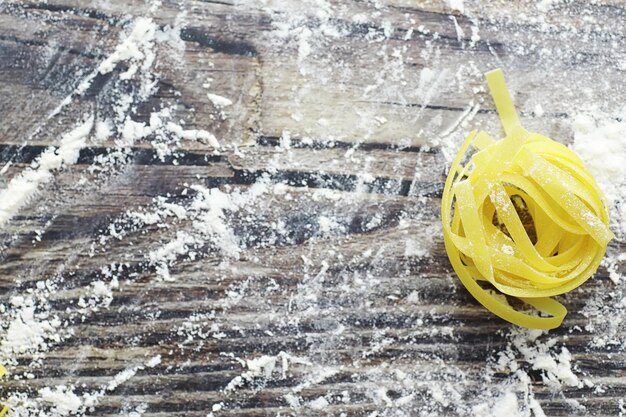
[25, 186]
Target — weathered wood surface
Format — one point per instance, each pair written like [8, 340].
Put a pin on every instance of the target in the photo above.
[340, 261]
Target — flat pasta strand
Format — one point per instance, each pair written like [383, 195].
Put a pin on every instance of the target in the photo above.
[488, 238]
[3, 408]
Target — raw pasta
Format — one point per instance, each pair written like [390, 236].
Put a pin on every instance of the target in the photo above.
[523, 214]
[3, 408]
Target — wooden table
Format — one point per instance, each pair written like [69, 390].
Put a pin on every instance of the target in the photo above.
[297, 269]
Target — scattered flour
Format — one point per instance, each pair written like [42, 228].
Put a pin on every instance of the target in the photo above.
[546, 5]
[456, 5]
[554, 363]
[200, 219]
[207, 212]
[319, 403]
[31, 327]
[262, 368]
[122, 377]
[29, 332]
[25, 186]
[504, 405]
[62, 400]
[156, 360]
[138, 50]
[219, 101]
[600, 140]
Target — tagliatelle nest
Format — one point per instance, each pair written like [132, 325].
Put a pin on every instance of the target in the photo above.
[524, 214]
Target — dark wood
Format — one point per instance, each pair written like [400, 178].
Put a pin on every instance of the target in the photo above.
[354, 308]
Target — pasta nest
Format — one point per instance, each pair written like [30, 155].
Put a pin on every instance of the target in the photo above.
[525, 215]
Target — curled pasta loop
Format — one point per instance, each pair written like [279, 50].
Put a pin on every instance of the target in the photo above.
[524, 215]
[4, 409]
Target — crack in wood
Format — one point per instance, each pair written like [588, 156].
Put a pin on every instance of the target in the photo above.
[229, 47]
[33, 42]
[274, 141]
[26, 154]
[225, 3]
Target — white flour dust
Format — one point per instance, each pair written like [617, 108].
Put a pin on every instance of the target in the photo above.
[332, 326]
[24, 187]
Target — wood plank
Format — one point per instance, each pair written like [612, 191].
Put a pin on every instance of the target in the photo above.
[336, 297]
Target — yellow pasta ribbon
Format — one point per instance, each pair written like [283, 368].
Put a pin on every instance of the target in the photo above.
[523, 214]
[5, 409]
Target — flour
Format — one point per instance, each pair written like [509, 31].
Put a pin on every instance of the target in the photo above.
[62, 399]
[219, 101]
[207, 212]
[29, 332]
[600, 140]
[31, 326]
[554, 363]
[21, 189]
[457, 5]
[262, 368]
[137, 50]
[356, 320]
[122, 377]
[530, 351]
[319, 403]
[505, 405]
[459, 32]
[138, 411]
[156, 360]
[546, 5]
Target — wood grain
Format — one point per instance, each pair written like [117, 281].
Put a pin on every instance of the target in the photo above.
[348, 133]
